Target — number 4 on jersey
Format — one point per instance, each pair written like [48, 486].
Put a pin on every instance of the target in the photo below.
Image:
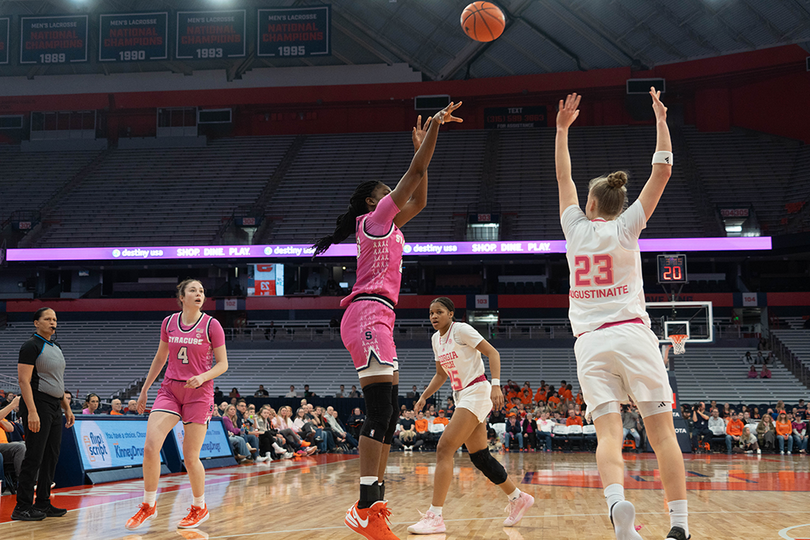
[182, 354]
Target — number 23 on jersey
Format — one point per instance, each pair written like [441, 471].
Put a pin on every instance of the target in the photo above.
[593, 270]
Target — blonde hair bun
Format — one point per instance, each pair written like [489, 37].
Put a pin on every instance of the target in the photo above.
[617, 179]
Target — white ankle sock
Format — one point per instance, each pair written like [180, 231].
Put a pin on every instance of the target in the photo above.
[437, 510]
[678, 516]
[368, 480]
[514, 495]
[614, 493]
[199, 502]
[149, 497]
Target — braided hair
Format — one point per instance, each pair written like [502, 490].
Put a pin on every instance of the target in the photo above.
[346, 223]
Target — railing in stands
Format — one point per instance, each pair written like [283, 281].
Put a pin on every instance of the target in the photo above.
[791, 361]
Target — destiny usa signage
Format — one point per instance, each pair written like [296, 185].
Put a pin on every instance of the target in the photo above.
[133, 37]
[53, 40]
[294, 32]
[202, 35]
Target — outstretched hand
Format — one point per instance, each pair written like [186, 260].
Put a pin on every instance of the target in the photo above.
[568, 110]
[419, 132]
[658, 107]
[446, 114]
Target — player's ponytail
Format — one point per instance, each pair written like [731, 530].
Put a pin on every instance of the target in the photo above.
[610, 193]
[346, 223]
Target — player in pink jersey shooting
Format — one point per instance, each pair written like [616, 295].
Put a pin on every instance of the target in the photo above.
[617, 353]
[190, 340]
[457, 347]
[375, 216]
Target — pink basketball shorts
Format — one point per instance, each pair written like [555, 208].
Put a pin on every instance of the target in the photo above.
[367, 331]
[192, 405]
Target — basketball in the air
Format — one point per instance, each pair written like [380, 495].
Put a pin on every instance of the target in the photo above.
[483, 21]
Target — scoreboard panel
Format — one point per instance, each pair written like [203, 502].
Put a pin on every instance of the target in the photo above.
[4, 39]
[672, 269]
[58, 39]
[294, 32]
[133, 37]
[206, 35]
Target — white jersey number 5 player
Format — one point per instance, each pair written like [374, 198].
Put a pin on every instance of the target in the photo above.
[617, 353]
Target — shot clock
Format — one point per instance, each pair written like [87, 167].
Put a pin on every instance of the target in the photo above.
[672, 269]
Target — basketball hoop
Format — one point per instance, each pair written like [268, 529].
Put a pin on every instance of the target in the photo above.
[678, 343]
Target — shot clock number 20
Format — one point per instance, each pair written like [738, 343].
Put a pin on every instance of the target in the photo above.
[672, 269]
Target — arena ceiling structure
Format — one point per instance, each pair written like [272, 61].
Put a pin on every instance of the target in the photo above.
[541, 36]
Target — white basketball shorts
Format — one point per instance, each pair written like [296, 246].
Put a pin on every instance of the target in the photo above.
[477, 399]
[621, 361]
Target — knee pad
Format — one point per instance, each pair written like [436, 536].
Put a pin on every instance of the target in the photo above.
[394, 420]
[379, 411]
[490, 466]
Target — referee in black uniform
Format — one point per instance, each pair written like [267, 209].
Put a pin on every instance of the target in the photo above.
[41, 370]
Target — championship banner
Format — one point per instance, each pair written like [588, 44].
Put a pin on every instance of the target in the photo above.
[216, 442]
[53, 40]
[287, 32]
[4, 42]
[133, 37]
[109, 443]
[210, 34]
[514, 117]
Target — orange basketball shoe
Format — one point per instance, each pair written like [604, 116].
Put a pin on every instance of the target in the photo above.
[144, 514]
[370, 522]
[196, 515]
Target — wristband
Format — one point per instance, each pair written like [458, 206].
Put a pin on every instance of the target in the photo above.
[663, 157]
[496, 382]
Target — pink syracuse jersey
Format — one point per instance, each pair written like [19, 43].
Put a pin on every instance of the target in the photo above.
[191, 350]
[379, 258]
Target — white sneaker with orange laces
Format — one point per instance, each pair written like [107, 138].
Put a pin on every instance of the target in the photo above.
[196, 515]
[144, 514]
[517, 508]
[429, 524]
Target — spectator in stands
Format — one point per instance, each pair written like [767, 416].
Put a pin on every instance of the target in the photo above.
[725, 412]
[748, 359]
[218, 395]
[270, 440]
[91, 404]
[291, 393]
[554, 402]
[341, 393]
[572, 418]
[752, 372]
[784, 432]
[339, 433]
[355, 422]
[513, 431]
[716, 424]
[407, 432]
[40, 374]
[422, 427]
[413, 394]
[284, 424]
[545, 426]
[234, 393]
[526, 396]
[541, 395]
[700, 426]
[450, 407]
[232, 428]
[760, 359]
[529, 429]
[799, 434]
[802, 409]
[746, 418]
[327, 442]
[307, 393]
[437, 425]
[116, 407]
[354, 393]
[10, 452]
[780, 406]
[261, 392]
[770, 359]
[748, 442]
[734, 430]
[132, 407]
[630, 424]
[765, 373]
[766, 432]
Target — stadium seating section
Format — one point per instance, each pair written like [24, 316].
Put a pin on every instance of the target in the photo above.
[177, 196]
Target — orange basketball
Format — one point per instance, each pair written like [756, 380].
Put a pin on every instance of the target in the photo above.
[483, 21]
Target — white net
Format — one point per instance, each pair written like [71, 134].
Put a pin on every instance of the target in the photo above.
[678, 343]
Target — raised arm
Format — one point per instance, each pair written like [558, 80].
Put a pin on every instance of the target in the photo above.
[568, 112]
[419, 164]
[662, 160]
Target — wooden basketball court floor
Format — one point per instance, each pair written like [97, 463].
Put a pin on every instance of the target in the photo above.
[730, 497]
